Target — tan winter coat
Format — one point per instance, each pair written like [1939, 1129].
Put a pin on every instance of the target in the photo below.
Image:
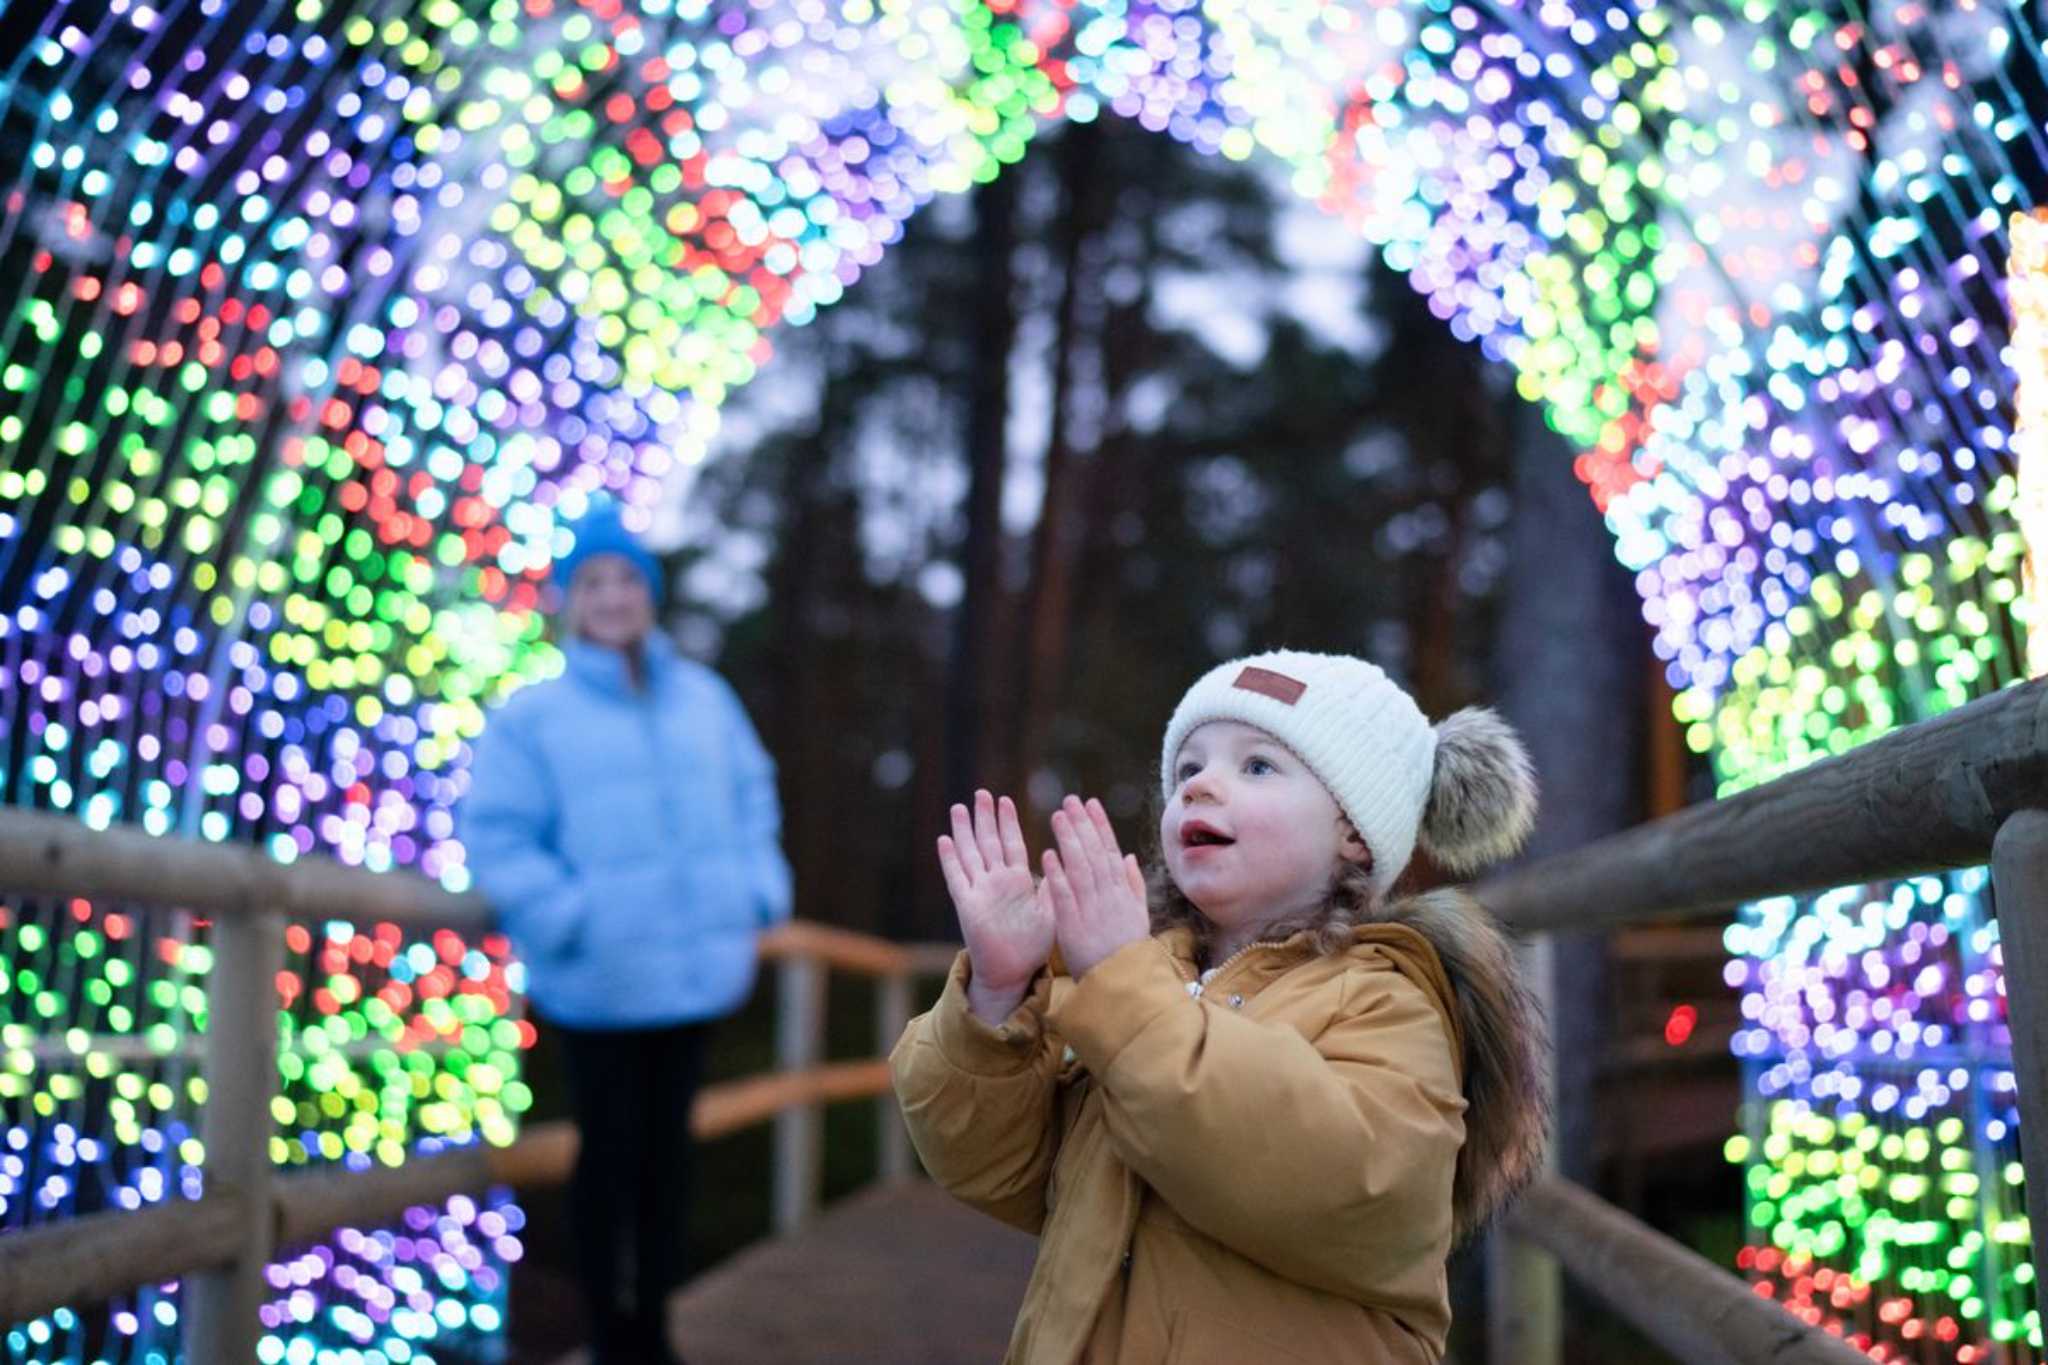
[1263, 1174]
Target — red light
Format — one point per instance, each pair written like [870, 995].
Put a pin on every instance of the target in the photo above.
[1680, 1025]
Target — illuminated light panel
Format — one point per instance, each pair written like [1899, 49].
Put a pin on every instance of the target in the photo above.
[1881, 1133]
[388, 1047]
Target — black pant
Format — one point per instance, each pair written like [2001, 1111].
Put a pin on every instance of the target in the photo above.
[633, 1089]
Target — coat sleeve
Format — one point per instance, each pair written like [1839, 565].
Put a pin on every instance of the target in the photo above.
[1328, 1162]
[980, 1102]
[757, 813]
[508, 830]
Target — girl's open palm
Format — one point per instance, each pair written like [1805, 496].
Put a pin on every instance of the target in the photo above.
[1005, 915]
[1097, 890]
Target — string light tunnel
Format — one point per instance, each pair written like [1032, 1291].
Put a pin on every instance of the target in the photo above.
[319, 318]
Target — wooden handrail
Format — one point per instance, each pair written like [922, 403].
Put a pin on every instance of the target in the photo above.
[726, 1108]
[1925, 798]
[1946, 793]
[1691, 1307]
[847, 950]
[249, 895]
[91, 1259]
[312, 1203]
[46, 854]
[101, 1255]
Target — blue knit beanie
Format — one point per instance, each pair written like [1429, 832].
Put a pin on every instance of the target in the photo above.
[600, 532]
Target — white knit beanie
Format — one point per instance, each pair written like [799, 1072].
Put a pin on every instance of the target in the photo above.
[1465, 786]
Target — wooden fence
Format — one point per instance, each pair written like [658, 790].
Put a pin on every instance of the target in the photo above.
[1958, 791]
[221, 1241]
[1953, 792]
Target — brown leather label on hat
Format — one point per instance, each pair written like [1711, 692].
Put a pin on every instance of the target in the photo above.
[1267, 683]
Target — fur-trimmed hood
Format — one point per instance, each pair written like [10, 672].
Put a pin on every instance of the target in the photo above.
[1497, 1025]
[1505, 1043]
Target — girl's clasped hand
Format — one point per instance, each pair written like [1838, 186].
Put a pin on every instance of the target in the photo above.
[1090, 902]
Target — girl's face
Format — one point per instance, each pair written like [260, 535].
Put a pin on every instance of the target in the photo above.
[609, 603]
[1251, 835]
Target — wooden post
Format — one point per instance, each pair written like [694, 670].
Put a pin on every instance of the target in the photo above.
[892, 1016]
[241, 1075]
[1524, 1284]
[799, 1043]
[2019, 881]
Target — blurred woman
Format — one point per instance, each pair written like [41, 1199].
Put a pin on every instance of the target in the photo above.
[622, 818]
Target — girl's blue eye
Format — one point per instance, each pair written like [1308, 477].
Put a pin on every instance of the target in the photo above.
[1258, 765]
[1186, 771]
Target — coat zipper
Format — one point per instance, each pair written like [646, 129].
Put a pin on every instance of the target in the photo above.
[1198, 988]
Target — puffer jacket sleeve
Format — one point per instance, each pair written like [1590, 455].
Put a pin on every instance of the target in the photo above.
[757, 812]
[980, 1101]
[1328, 1162]
[508, 823]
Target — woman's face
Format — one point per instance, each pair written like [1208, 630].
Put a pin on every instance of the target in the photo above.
[609, 603]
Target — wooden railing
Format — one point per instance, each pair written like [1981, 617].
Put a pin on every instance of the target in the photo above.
[220, 1242]
[1953, 792]
[1958, 791]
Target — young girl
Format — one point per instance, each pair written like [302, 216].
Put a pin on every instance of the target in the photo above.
[1248, 1123]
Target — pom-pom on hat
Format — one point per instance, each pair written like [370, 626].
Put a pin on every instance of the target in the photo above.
[600, 531]
[1463, 788]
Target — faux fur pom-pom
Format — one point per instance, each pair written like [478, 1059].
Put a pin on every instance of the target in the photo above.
[1482, 796]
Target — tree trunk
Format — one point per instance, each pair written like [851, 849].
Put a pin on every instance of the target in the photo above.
[970, 671]
[1128, 471]
[1571, 649]
[804, 558]
[1056, 539]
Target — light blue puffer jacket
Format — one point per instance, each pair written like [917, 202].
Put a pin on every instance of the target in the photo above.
[629, 840]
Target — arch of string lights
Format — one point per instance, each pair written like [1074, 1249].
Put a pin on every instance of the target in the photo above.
[319, 316]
